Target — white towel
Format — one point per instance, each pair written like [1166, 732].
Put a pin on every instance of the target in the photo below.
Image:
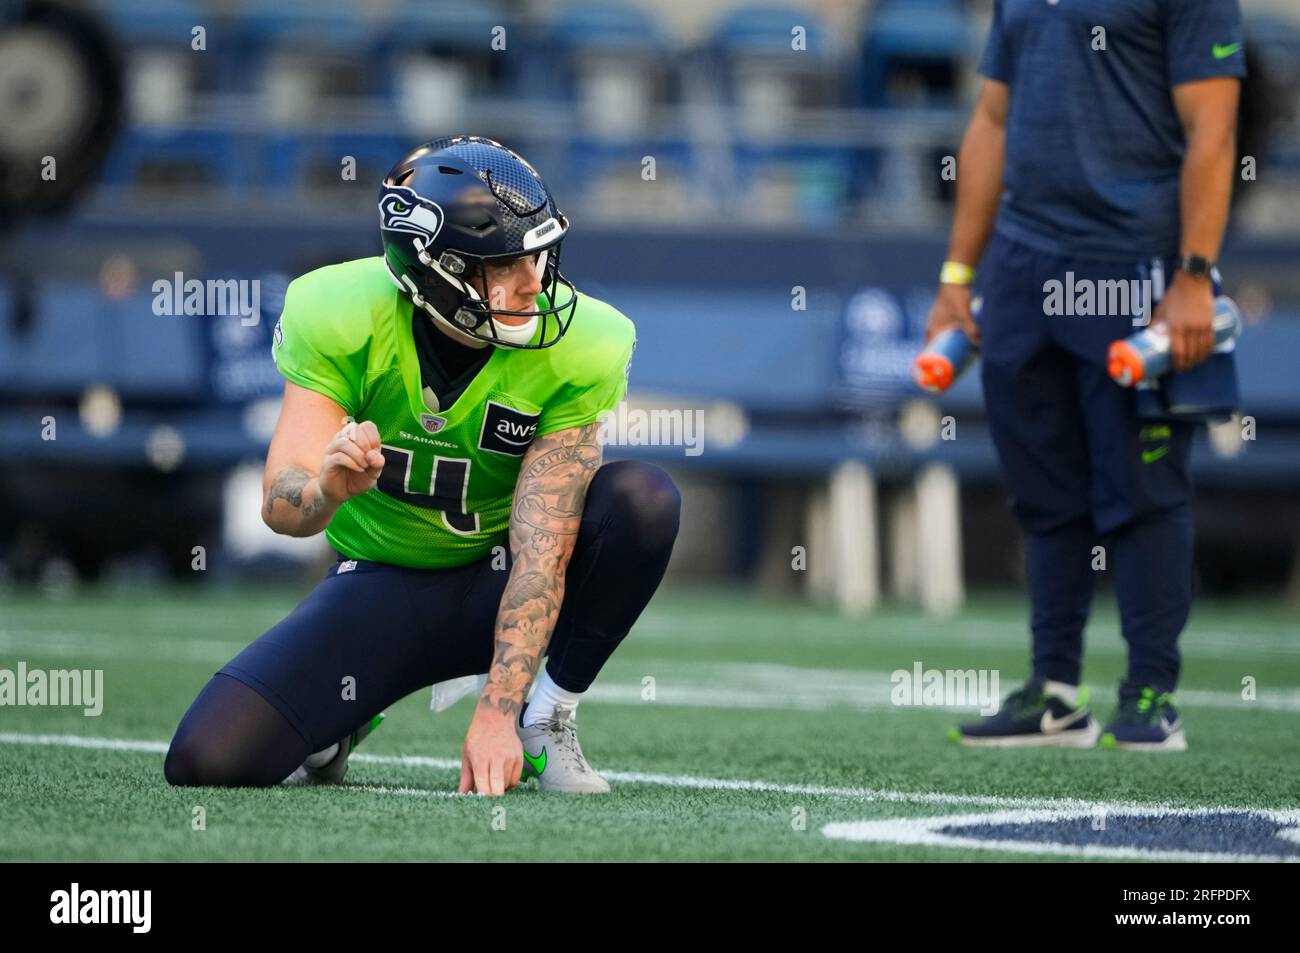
[446, 694]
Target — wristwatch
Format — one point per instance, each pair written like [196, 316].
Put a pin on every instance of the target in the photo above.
[1197, 266]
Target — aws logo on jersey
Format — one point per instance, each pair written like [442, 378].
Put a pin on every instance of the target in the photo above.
[506, 430]
[404, 210]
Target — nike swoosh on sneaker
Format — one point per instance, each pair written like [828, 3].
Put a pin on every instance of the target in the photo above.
[1050, 724]
[538, 763]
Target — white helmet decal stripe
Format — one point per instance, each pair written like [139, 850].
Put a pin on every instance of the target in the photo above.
[545, 233]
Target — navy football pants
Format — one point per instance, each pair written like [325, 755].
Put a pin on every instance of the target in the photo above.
[392, 631]
[1082, 469]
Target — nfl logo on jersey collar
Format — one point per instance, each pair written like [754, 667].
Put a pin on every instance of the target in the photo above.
[432, 422]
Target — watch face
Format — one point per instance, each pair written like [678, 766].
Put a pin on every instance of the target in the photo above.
[1195, 265]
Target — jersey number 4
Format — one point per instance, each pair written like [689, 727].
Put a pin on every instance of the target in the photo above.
[448, 485]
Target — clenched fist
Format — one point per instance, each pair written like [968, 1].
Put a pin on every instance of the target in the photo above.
[353, 462]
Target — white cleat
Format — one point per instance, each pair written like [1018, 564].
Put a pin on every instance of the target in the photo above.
[553, 756]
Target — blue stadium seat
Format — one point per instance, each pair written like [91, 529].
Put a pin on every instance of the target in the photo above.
[337, 33]
[585, 45]
[1266, 368]
[9, 361]
[918, 33]
[146, 21]
[459, 29]
[60, 353]
[451, 24]
[155, 356]
[214, 155]
[593, 30]
[823, 175]
[605, 26]
[756, 40]
[287, 158]
[747, 347]
[334, 25]
[80, 338]
[766, 29]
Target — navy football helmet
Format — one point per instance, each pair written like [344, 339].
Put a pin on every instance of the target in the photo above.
[451, 206]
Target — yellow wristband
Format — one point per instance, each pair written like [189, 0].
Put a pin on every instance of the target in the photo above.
[955, 273]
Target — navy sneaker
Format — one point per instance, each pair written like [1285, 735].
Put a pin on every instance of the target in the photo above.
[1031, 717]
[1146, 721]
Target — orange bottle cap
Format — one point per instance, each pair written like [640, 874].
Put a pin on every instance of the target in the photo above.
[932, 372]
[1123, 364]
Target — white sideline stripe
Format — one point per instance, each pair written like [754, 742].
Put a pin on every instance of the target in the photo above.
[79, 741]
[154, 639]
[1102, 636]
[402, 792]
[696, 782]
[926, 832]
[753, 686]
[757, 686]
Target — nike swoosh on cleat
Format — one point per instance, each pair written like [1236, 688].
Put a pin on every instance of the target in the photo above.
[538, 763]
[1050, 725]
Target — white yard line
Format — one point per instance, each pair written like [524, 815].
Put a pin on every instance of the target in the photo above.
[752, 686]
[684, 781]
[932, 831]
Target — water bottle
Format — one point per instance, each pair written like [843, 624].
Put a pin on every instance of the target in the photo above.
[939, 365]
[1145, 355]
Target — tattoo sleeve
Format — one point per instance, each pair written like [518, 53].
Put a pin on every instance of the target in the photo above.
[288, 485]
[544, 521]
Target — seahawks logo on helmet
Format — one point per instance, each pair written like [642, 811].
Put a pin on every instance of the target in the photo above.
[402, 210]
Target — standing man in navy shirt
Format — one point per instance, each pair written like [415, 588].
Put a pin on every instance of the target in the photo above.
[1102, 149]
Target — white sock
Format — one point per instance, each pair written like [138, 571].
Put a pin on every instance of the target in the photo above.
[323, 757]
[1067, 693]
[546, 698]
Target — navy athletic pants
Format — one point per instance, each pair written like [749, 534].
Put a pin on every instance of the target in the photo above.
[1082, 468]
[393, 631]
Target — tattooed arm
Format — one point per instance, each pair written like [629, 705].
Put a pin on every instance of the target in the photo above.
[312, 466]
[544, 521]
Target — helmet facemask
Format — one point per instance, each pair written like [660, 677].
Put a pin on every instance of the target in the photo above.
[449, 294]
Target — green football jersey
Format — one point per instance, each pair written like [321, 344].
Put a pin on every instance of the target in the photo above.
[445, 494]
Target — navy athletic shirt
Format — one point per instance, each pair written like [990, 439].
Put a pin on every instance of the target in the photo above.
[1094, 145]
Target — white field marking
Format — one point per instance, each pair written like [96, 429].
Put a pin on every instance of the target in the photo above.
[759, 686]
[698, 783]
[739, 685]
[74, 644]
[1102, 637]
[401, 792]
[927, 832]
[78, 741]
[155, 636]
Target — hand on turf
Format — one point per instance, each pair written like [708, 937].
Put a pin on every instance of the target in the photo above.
[951, 309]
[492, 760]
[1188, 309]
[353, 462]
